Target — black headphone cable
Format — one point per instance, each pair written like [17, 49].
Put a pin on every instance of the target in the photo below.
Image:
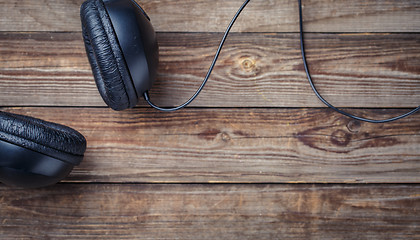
[216, 56]
[302, 46]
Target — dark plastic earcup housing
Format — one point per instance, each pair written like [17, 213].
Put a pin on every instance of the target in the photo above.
[25, 168]
[122, 50]
[36, 153]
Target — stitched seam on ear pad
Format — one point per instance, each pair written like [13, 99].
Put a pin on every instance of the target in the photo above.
[107, 61]
[41, 136]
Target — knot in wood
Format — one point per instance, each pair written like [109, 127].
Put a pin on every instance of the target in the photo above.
[354, 126]
[225, 137]
[340, 138]
[248, 64]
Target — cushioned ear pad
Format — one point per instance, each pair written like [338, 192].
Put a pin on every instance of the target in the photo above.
[48, 138]
[105, 56]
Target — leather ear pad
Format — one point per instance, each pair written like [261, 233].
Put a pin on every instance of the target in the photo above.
[48, 138]
[105, 56]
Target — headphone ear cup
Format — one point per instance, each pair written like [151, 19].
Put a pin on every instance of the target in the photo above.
[62, 144]
[45, 137]
[105, 56]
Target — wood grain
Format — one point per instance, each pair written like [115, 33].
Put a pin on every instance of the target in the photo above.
[211, 212]
[213, 16]
[240, 145]
[254, 70]
[257, 128]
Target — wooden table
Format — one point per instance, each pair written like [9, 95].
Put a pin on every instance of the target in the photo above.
[257, 156]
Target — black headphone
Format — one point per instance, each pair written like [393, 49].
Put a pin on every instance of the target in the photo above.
[36, 153]
[123, 52]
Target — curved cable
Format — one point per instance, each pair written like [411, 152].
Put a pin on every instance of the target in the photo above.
[302, 47]
[216, 56]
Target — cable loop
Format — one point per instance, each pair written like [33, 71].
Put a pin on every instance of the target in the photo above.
[302, 47]
[216, 56]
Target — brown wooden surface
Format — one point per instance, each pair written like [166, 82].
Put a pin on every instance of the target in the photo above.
[212, 212]
[254, 70]
[257, 156]
[213, 16]
[240, 145]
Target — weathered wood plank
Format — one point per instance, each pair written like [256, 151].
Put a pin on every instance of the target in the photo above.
[254, 70]
[240, 145]
[43, 67]
[211, 212]
[213, 16]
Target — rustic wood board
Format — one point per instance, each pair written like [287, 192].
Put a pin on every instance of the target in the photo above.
[254, 70]
[240, 145]
[213, 16]
[211, 212]
[249, 160]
